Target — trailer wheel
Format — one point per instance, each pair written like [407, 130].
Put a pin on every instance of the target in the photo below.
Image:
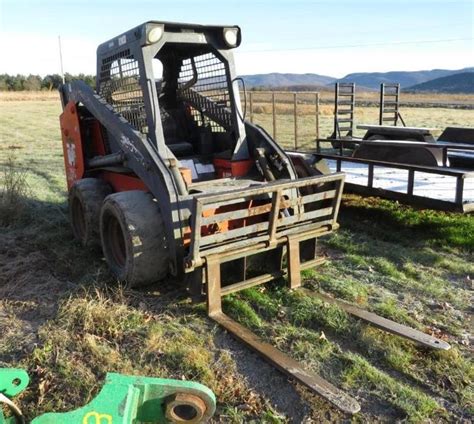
[85, 200]
[133, 238]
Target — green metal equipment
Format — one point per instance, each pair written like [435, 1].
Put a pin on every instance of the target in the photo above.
[122, 400]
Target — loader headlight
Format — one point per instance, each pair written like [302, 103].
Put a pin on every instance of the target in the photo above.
[154, 34]
[231, 36]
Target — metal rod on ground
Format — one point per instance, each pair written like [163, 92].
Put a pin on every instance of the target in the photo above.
[295, 114]
[383, 323]
[274, 116]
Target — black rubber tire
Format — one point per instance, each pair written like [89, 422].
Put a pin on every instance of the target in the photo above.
[85, 201]
[133, 238]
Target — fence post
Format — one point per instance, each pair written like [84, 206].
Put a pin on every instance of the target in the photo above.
[295, 102]
[274, 116]
[316, 104]
[251, 105]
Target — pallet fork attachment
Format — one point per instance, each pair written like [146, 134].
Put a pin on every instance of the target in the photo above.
[382, 323]
[287, 231]
[281, 361]
[279, 229]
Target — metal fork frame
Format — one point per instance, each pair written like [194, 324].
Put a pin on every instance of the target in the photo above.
[211, 258]
[279, 231]
[265, 233]
[281, 361]
[383, 323]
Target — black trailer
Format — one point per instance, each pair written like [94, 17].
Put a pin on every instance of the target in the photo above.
[402, 163]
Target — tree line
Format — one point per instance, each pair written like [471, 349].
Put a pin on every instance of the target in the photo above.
[36, 82]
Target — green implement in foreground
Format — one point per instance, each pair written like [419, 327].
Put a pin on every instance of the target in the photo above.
[123, 399]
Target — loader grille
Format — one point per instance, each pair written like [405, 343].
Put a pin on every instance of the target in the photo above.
[265, 214]
[119, 84]
[209, 95]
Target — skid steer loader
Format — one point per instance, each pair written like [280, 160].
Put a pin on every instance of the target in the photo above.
[169, 178]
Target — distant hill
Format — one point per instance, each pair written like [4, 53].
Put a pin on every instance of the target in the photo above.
[405, 78]
[363, 80]
[286, 80]
[457, 83]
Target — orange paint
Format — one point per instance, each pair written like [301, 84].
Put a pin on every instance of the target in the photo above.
[122, 182]
[228, 168]
[98, 145]
[72, 144]
[187, 175]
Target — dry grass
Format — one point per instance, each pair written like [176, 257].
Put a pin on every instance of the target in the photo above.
[435, 118]
[412, 97]
[281, 97]
[13, 192]
[15, 96]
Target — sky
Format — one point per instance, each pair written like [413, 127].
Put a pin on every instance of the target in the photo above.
[325, 37]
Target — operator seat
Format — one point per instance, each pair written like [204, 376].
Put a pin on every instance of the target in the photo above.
[177, 138]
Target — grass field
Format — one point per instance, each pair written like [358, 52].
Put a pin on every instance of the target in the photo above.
[65, 319]
[436, 118]
[326, 95]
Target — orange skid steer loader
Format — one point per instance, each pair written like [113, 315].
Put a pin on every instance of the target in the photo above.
[169, 178]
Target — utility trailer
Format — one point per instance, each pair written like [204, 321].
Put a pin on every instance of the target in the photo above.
[166, 175]
[401, 163]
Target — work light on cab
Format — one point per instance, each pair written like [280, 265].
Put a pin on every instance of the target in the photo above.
[154, 34]
[231, 36]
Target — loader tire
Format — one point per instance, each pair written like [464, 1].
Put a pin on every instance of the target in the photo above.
[85, 201]
[133, 238]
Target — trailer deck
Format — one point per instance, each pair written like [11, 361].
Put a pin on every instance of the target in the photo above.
[433, 187]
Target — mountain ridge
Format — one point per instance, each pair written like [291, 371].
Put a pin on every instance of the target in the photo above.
[456, 83]
[367, 80]
[404, 78]
[277, 79]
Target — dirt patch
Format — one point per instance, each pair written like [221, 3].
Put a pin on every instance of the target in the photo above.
[263, 378]
[29, 296]
[25, 274]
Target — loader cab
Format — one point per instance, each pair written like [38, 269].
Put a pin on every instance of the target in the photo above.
[176, 84]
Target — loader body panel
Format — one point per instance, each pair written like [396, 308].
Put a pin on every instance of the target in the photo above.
[72, 144]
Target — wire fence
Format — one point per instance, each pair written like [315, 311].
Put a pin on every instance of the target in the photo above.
[292, 118]
[297, 119]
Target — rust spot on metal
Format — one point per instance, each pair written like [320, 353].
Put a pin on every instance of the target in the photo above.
[185, 408]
